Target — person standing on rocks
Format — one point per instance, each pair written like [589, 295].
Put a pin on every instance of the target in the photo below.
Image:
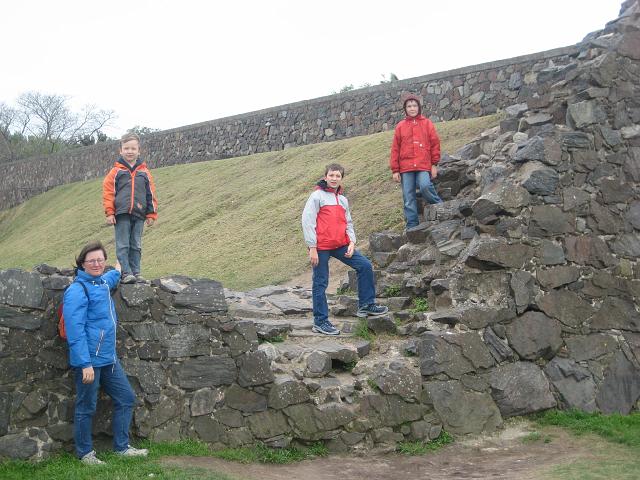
[328, 232]
[129, 200]
[415, 153]
[90, 323]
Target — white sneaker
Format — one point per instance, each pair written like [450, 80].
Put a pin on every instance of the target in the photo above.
[91, 459]
[134, 452]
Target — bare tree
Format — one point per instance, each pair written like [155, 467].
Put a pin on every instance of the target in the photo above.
[50, 118]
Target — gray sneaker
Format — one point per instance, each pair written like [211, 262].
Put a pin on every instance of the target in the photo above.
[91, 459]
[128, 278]
[140, 278]
[134, 452]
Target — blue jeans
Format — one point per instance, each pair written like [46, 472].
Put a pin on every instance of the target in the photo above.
[411, 181]
[115, 383]
[129, 242]
[366, 286]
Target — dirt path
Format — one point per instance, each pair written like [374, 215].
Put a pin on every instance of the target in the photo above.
[504, 456]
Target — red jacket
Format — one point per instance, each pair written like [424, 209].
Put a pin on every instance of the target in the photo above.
[415, 147]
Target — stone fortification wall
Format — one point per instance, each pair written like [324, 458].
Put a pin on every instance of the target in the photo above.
[199, 372]
[531, 265]
[461, 93]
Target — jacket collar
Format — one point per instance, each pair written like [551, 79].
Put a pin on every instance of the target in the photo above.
[418, 117]
[322, 185]
[121, 162]
[85, 277]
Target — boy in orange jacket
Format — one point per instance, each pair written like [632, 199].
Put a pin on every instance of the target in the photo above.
[129, 199]
[415, 153]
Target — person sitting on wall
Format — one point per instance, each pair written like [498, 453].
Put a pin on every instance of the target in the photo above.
[415, 153]
[328, 232]
[90, 323]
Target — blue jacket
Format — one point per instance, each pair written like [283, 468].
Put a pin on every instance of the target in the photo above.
[91, 322]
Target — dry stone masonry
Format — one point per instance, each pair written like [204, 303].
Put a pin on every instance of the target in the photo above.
[530, 269]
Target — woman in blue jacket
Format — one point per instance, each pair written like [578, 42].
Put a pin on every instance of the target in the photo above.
[90, 323]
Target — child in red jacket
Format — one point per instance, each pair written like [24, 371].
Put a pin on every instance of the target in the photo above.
[415, 153]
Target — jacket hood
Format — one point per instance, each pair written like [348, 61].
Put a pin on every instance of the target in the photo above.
[322, 185]
[122, 163]
[410, 96]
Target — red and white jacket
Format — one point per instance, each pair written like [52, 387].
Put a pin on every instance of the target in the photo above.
[415, 147]
[326, 219]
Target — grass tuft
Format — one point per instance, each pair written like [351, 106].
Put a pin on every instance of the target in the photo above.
[422, 447]
[263, 454]
[362, 331]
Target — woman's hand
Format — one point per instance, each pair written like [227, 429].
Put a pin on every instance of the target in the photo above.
[87, 375]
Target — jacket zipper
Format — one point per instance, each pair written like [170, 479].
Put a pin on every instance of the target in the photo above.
[100, 342]
[133, 179]
[113, 320]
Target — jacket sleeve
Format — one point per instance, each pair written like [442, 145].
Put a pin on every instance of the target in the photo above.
[109, 192]
[309, 219]
[394, 160]
[434, 142]
[351, 232]
[152, 200]
[112, 277]
[74, 310]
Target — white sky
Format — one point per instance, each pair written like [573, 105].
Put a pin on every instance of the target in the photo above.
[165, 64]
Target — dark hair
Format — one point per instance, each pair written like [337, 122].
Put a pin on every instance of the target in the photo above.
[334, 167]
[88, 248]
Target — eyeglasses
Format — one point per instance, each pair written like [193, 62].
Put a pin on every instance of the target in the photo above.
[96, 261]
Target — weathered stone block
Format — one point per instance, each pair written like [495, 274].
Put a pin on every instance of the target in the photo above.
[520, 388]
[534, 336]
[21, 289]
[202, 372]
[574, 384]
[254, 368]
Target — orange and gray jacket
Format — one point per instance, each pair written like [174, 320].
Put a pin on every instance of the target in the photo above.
[130, 189]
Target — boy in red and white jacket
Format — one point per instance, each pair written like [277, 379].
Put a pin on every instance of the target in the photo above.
[415, 153]
[328, 232]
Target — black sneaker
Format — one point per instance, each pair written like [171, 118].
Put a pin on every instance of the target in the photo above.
[372, 310]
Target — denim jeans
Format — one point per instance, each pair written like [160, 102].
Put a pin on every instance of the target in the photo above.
[411, 181]
[129, 242]
[115, 383]
[366, 286]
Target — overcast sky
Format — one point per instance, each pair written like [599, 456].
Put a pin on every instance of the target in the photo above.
[164, 64]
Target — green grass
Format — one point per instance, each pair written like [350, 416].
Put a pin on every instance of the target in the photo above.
[420, 305]
[535, 437]
[346, 291]
[362, 331]
[422, 447]
[392, 290]
[622, 429]
[235, 220]
[66, 467]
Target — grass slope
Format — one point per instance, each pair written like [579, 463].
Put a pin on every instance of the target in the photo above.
[234, 220]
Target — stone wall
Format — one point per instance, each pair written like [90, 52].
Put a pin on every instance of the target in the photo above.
[199, 372]
[461, 93]
[531, 264]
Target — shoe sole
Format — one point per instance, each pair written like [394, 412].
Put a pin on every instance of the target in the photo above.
[315, 329]
[365, 315]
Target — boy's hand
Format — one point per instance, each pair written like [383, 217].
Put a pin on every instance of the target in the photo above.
[149, 222]
[313, 256]
[434, 171]
[350, 249]
[396, 177]
[111, 219]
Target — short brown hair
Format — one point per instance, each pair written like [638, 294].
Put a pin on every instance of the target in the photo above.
[334, 167]
[127, 137]
[88, 248]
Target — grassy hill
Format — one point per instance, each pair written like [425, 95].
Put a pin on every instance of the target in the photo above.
[234, 220]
